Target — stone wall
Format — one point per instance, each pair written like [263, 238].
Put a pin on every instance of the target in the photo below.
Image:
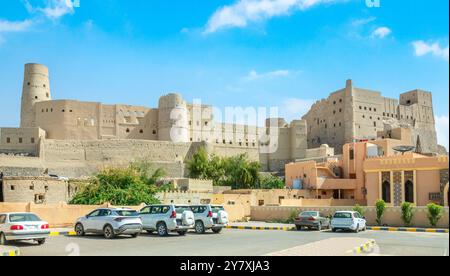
[40, 190]
[392, 216]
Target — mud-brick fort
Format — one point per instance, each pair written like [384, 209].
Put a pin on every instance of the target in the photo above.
[75, 139]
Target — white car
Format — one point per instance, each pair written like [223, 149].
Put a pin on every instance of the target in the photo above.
[167, 218]
[110, 222]
[208, 217]
[348, 220]
[22, 227]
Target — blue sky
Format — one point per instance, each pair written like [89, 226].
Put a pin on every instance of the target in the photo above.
[284, 53]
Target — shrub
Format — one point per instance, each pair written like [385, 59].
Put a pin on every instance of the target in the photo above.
[359, 209]
[292, 217]
[381, 207]
[434, 213]
[407, 213]
[118, 186]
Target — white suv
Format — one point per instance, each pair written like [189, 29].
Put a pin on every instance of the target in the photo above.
[348, 220]
[211, 217]
[167, 218]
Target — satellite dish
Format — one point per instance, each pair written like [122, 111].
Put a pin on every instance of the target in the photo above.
[404, 149]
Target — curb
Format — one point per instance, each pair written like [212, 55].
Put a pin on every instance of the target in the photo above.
[364, 248]
[11, 253]
[66, 233]
[413, 230]
[261, 228]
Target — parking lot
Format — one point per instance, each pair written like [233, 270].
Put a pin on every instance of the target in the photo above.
[243, 243]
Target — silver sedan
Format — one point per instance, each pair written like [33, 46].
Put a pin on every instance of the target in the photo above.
[110, 222]
[22, 227]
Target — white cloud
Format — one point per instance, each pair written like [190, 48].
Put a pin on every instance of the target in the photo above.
[253, 75]
[294, 108]
[54, 9]
[381, 32]
[423, 48]
[363, 21]
[14, 26]
[241, 13]
[442, 128]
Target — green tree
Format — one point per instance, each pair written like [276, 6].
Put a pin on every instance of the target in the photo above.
[270, 182]
[360, 210]
[380, 207]
[199, 165]
[434, 213]
[118, 186]
[407, 213]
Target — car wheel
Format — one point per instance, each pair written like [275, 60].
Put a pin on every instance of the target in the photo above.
[217, 230]
[3, 240]
[41, 241]
[79, 230]
[299, 228]
[162, 229]
[357, 229]
[108, 232]
[319, 227]
[182, 233]
[135, 235]
[333, 230]
[199, 227]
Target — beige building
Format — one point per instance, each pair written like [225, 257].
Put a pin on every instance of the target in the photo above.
[373, 170]
[89, 135]
[75, 139]
[355, 114]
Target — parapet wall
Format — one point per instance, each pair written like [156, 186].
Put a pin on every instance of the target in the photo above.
[392, 216]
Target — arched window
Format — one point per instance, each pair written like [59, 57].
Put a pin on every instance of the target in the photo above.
[409, 192]
[386, 191]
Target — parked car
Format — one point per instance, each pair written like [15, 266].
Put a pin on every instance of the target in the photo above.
[110, 222]
[22, 227]
[348, 220]
[312, 219]
[167, 218]
[208, 217]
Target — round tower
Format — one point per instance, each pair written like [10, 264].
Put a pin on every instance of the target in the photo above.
[173, 119]
[36, 88]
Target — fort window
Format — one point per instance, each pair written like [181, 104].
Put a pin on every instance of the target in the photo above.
[334, 102]
[375, 109]
[44, 86]
[409, 192]
[370, 109]
[46, 110]
[28, 84]
[8, 140]
[352, 154]
[386, 191]
[340, 110]
[63, 110]
[340, 124]
[42, 110]
[375, 124]
[334, 111]
[154, 132]
[20, 140]
[32, 140]
[13, 188]
[51, 109]
[46, 188]
[206, 123]
[360, 107]
[128, 130]
[224, 141]
[31, 187]
[141, 131]
[365, 108]
[340, 100]
[36, 97]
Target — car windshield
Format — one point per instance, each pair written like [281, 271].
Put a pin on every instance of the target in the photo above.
[343, 215]
[308, 214]
[181, 209]
[23, 217]
[127, 213]
[217, 209]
